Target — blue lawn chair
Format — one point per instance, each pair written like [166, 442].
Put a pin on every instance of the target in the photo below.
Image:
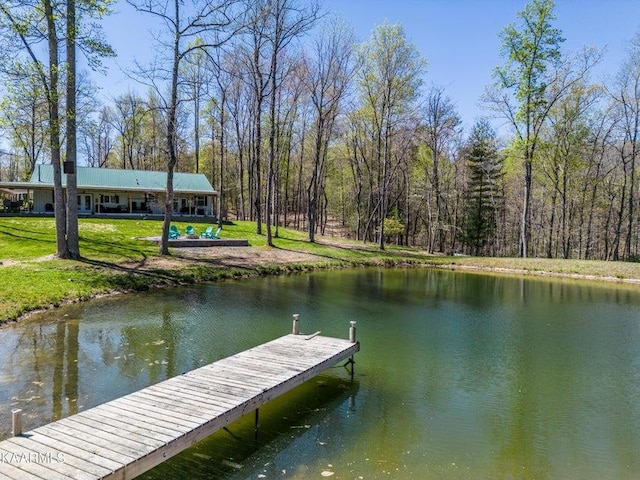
[209, 233]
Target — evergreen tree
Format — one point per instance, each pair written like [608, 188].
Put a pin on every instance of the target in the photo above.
[483, 199]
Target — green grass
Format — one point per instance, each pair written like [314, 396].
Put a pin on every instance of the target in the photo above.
[116, 259]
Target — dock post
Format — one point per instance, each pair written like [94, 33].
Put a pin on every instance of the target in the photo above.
[352, 339]
[16, 422]
[257, 424]
[352, 332]
[296, 324]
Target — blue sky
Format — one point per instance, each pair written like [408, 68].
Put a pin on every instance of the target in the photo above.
[459, 38]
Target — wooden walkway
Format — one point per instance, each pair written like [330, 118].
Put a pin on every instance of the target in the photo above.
[126, 437]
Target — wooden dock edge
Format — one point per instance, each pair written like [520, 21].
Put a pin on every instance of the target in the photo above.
[296, 358]
[173, 448]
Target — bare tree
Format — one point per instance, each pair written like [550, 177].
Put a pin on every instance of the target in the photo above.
[442, 124]
[625, 93]
[205, 20]
[287, 20]
[256, 37]
[194, 72]
[130, 110]
[389, 80]
[239, 106]
[97, 138]
[329, 74]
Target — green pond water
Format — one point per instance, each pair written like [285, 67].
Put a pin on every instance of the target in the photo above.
[459, 375]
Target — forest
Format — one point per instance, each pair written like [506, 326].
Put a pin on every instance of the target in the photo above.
[298, 124]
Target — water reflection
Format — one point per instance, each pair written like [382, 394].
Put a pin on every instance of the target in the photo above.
[460, 376]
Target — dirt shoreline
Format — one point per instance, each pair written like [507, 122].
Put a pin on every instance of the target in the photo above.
[538, 273]
[262, 260]
[256, 257]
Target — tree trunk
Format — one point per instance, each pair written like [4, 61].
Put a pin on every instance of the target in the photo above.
[172, 134]
[196, 124]
[54, 133]
[526, 209]
[222, 152]
[73, 246]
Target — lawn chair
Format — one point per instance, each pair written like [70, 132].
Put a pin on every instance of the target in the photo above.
[173, 232]
[190, 231]
[209, 233]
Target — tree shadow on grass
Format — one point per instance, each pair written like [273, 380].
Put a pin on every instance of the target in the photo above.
[124, 277]
[102, 247]
[221, 263]
[28, 235]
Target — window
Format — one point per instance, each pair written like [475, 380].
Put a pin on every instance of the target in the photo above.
[110, 199]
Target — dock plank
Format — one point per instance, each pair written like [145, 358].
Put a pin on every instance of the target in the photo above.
[159, 415]
[113, 441]
[182, 404]
[53, 459]
[109, 412]
[9, 471]
[66, 438]
[216, 400]
[31, 468]
[200, 393]
[126, 437]
[74, 451]
[146, 429]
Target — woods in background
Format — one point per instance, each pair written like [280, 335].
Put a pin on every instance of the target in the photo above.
[299, 125]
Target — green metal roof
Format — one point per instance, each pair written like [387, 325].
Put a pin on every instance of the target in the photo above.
[130, 180]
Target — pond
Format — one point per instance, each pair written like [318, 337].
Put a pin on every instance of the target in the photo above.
[459, 375]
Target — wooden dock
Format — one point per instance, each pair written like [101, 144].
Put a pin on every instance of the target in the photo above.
[126, 437]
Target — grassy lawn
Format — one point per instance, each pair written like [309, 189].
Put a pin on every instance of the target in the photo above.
[115, 258]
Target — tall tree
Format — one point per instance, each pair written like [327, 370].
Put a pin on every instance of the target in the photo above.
[625, 92]
[24, 33]
[130, 110]
[194, 73]
[287, 20]
[73, 239]
[223, 84]
[442, 125]
[256, 40]
[328, 76]
[483, 193]
[565, 156]
[239, 106]
[97, 138]
[389, 83]
[205, 20]
[521, 92]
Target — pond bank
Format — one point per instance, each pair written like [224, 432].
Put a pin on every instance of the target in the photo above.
[197, 265]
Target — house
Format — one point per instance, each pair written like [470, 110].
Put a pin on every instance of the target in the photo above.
[113, 192]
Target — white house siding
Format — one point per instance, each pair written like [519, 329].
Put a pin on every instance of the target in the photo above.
[134, 202]
[40, 199]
